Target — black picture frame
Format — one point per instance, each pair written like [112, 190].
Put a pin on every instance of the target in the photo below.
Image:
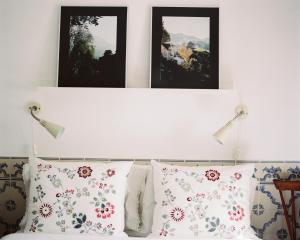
[201, 69]
[82, 64]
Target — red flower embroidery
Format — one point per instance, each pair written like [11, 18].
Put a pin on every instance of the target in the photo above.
[102, 185]
[163, 232]
[84, 171]
[177, 214]
[35, 221]
[236, 214]
[200, 195]
[105, 211]
[238, 176]
[43, 168]
[46, 210]
[71, 191]
[110, 172]
[32, 228]
[212, 175]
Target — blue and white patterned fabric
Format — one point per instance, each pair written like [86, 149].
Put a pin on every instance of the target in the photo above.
[268, 219]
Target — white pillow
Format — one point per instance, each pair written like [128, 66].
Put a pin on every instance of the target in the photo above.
[146, 204]
[193, 202]
[77, 197]
[135, 186]
[139, 211]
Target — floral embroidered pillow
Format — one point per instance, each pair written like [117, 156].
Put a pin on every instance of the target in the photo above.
[195, 202]
[77, 197]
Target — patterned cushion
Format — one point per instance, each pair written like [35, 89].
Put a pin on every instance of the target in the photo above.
[77, 197]
[201, 201]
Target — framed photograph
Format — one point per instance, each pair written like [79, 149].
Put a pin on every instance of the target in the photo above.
[185, 48]
[92, 50]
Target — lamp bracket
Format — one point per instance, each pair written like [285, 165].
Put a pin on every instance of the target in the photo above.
[35, 107]
[243, 110]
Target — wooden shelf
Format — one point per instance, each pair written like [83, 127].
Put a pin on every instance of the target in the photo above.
[211, 92]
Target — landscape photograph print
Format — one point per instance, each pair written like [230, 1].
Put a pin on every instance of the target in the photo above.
[93, 47]
[185, 48]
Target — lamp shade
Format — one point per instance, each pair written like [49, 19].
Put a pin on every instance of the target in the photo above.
[54, 129]
[220, 135]
[241, 112]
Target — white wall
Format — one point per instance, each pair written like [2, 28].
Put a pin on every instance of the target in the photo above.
[261, 40]
[140, 124]
[258, 46]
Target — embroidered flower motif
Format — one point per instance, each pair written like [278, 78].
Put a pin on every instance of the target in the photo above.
[43, 168]
[89, 223]
[238, 176]
[236, 214]
[66, 204]
[168, 191]
[200, 211]
[105, 211]
[102, 185]
[186, 186]
[163, 232]
[35, 226]
[79, 220]
[200, 195]
[46, 210]
[84, 171]
[212, 175]
[110, 172]
[177, 214]
[71, 191]
[212, 224]
[56, 183]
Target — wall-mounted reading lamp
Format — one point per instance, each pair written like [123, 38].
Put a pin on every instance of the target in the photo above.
[241, 112]
[54, 129]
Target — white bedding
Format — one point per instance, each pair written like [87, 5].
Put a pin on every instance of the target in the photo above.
[44, 236]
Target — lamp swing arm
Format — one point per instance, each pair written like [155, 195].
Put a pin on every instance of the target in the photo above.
[239, 114]
[32, 110]
[41, 121]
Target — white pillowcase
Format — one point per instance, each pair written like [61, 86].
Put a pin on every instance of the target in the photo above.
[136, 183]
[77, 197]
[148, 204]
[146, 201]
[135, 186]
[139, 203]
[193, 202]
